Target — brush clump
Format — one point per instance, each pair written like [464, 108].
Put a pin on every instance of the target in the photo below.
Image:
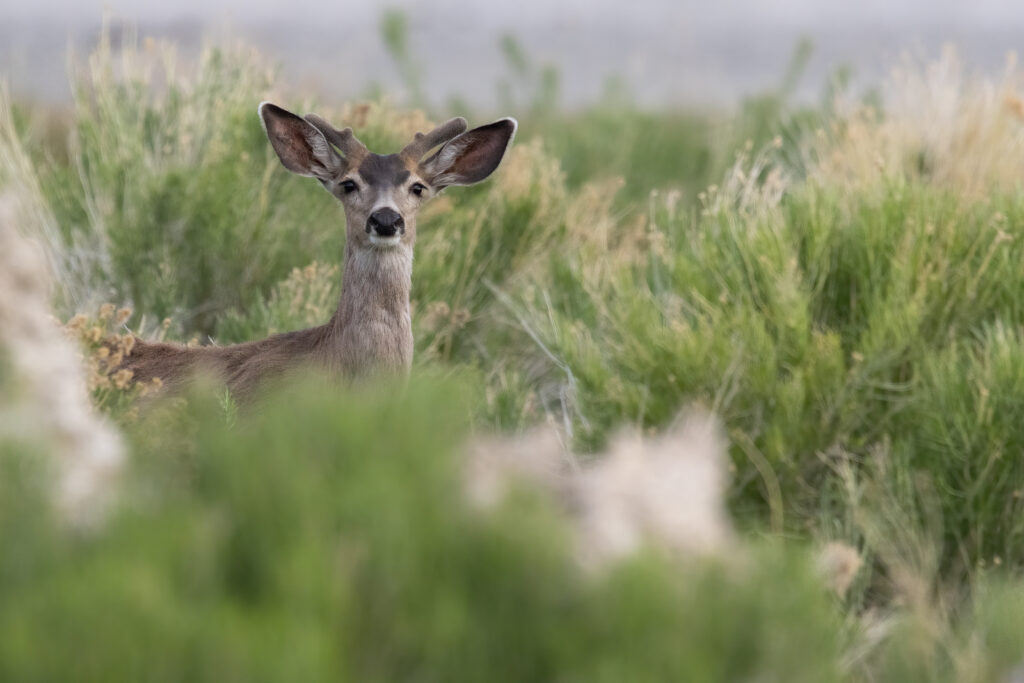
[938, 125]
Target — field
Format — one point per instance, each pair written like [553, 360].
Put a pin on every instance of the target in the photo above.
[816, 311]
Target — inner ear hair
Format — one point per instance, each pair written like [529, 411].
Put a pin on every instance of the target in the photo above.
[299, 145]
[472, 156]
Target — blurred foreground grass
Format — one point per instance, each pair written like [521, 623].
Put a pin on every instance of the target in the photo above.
[844, 292]
[322, 541]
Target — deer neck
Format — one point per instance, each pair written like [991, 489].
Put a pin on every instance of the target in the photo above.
[372, 329]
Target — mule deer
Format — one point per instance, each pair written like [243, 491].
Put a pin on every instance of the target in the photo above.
[371, 330]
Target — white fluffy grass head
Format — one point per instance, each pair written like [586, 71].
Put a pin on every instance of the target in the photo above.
[46, 401]
[665, 492]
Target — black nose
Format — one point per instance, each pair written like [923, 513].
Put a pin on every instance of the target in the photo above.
[385, 222]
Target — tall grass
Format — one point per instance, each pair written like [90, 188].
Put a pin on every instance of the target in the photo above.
[321, 542]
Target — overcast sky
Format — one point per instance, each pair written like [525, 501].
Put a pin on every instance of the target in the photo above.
[670, 51]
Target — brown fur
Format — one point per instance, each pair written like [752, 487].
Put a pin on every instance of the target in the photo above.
[371, 330]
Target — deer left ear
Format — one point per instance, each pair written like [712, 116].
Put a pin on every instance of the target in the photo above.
[470, 157]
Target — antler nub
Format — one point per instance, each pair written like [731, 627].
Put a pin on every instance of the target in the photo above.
[423, 143]
[345, 140]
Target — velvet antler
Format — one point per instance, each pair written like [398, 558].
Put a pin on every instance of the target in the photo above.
[423, 143]
[345, 140]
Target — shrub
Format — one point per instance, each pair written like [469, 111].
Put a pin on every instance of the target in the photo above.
[314, 539]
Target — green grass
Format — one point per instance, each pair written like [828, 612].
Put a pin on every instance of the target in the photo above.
[320, 542]
[851, 313]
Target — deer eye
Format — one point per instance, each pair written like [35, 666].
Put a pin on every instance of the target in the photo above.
[349, 186]
[418, 189]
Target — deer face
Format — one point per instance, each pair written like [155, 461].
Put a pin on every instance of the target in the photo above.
[382, 193]
[381, 197]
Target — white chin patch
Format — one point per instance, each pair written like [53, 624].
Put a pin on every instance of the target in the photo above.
[378, 241]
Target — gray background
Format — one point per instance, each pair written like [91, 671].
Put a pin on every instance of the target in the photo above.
[669, 52]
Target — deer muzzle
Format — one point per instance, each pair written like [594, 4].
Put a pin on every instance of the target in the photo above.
[385, 222]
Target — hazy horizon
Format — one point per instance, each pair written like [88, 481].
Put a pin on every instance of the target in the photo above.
[669, 53]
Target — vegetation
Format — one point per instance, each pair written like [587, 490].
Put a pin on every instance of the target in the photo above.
[841, 285]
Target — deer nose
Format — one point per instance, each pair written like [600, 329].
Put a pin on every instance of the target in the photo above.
[385, 222]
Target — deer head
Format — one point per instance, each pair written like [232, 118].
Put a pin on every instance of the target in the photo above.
[382, 193]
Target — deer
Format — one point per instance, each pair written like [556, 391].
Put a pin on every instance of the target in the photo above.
[370, 332]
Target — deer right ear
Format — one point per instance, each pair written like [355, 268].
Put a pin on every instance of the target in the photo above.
[301, 147]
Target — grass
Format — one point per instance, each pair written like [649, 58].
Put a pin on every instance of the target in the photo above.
[286, 547]
[843, 291]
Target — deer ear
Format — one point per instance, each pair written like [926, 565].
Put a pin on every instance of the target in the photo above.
[300, 146]
[470, 157]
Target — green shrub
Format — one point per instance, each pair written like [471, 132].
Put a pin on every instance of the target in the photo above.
[315, 540]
